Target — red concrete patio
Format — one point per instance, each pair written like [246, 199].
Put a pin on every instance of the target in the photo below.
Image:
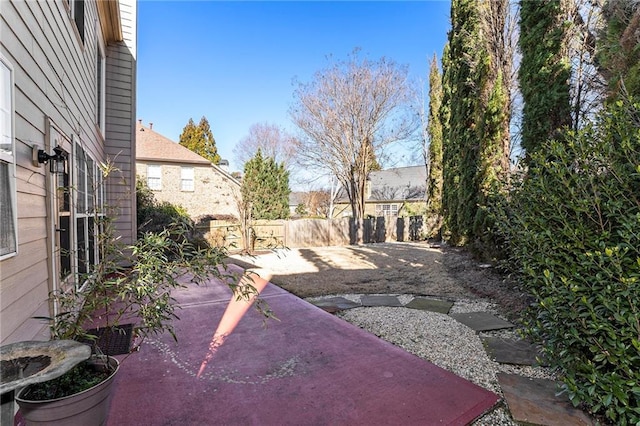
[307, 368]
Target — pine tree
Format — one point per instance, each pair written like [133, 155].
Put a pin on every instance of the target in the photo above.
[434, 130]
[544, 72]
[265, 187]
[199, 139]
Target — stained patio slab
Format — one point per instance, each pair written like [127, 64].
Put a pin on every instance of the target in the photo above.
[481, 321]
[512, 351]
[307, 368]
[431, 305]
[534, 401]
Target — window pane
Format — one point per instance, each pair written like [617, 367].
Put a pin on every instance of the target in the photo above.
[7, 224]
[81, 184]
[78, 16]
[8, 231]
[65, 246]
[187, 178]
[92, 242]
[91, 184]
[154, 180]
[82, 245]
[6, 146]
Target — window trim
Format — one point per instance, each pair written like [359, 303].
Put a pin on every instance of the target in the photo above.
[10, 158]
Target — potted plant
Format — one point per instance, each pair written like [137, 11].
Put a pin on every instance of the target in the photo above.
[127, 293]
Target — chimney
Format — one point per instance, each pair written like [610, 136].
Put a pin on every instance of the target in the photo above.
[151, 125]
[140, 121]
[224, 165]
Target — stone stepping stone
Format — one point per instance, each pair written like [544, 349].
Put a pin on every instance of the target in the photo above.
[369, 300]
[335, 304]
[481, 321]
[431, 305]
[512, 351]
[534, 401]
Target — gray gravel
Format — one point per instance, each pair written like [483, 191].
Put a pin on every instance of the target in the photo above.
[445, 342]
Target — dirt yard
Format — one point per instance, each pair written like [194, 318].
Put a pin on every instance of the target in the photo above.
[388, 268]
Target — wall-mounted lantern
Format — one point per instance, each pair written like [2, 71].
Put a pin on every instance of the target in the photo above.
[57, 161]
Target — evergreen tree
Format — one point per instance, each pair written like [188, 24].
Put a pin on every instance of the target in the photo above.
[619, 48]
[265, 188]
[460, 141]
[199, 139]
[544, 72]
[434, 130]
[493, 115]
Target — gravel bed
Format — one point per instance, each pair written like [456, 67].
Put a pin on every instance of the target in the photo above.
[445, 342]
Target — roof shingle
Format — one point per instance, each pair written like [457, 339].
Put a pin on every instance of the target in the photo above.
[152, 146]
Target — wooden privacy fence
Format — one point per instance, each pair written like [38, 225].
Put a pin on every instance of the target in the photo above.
[297, 233]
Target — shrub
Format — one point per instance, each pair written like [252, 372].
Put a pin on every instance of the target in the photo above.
[572, 230]
[157, 216]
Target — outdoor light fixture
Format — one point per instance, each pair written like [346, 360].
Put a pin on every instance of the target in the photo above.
[57, 161]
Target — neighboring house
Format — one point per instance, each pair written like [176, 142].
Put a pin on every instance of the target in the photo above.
[68, 75]
[295, 199]
[393, 192]
[180, 176]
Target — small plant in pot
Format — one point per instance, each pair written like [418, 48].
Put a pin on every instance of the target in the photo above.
[125, 296]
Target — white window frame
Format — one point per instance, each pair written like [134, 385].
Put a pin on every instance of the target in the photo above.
[101, 86]
[387, 210]
[154, 177]
[7, 110]
[187, 179]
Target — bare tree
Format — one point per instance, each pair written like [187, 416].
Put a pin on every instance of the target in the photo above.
[588, 86]
[272, 140]
[347, 111]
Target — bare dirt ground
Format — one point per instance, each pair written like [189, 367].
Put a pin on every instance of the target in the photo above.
[389, 268]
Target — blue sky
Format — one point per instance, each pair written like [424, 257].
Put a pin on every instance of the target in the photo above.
[235, 62]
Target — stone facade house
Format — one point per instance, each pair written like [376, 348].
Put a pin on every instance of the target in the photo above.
[67, 105]
[180, 176]
[394, 192]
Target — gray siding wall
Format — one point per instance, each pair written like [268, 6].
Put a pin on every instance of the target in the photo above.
[54, 79]
[121, 122]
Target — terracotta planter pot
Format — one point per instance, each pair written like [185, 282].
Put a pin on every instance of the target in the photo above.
[89, 407]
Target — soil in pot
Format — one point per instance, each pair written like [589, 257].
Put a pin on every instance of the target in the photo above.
[42, 404]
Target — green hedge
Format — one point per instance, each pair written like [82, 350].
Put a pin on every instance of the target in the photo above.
[571, 227]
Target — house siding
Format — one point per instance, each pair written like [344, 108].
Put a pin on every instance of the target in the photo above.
[120, 122]
[54, 82]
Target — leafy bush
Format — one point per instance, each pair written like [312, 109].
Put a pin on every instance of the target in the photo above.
[572, 230]
[157, 216]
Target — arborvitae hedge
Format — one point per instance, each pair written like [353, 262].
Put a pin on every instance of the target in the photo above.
[544, 72]
[460, 143]
[434, 129]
